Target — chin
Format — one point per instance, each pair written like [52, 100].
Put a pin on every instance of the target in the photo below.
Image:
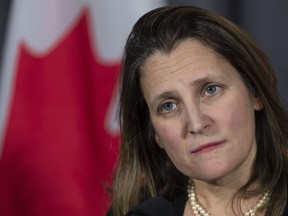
[212, 174]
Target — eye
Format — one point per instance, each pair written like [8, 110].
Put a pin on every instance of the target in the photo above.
[167, 107]
[212, 90]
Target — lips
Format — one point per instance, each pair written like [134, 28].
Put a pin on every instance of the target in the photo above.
[207, 147]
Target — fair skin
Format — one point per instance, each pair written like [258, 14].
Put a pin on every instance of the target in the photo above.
[203, 116]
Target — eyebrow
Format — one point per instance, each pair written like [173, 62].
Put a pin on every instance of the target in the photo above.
[202, 80]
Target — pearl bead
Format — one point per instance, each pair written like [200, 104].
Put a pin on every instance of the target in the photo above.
[198, 210]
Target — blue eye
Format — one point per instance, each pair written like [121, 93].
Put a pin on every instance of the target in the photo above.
[212, 89]
[167, 107]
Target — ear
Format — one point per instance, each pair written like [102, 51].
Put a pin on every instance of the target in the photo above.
[258, 105]
[158, 141]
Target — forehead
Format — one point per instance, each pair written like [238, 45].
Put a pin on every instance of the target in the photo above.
[191, 56]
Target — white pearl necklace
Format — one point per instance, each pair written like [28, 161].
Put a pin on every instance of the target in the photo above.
[198, 210]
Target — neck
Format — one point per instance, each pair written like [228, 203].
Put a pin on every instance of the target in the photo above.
[211, 192]
[224, 188]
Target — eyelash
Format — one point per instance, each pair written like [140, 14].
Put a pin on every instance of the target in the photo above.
[218, 88]
[161, 107]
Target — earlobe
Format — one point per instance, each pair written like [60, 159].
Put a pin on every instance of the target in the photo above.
[258, 105]
[158, 141]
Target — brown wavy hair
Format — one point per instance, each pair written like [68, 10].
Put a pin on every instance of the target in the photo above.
[144, 170]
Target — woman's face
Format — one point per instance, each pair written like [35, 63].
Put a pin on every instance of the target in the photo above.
[202, 112]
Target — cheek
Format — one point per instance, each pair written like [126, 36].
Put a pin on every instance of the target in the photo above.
[171, 139]
[168, 136]
[237, 117]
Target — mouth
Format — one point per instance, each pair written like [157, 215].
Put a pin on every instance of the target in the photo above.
[207, 147]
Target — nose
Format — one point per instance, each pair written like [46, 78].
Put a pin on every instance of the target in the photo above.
[198, 119]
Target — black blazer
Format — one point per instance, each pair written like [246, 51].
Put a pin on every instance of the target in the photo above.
[159, 206]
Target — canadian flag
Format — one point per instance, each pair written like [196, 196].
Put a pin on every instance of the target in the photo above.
[58, 95]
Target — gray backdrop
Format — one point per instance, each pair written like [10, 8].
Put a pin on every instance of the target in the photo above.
[267, 23]
[4, 11]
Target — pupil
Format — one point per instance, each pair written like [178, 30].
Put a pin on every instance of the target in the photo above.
[168, 106]
[211, 89]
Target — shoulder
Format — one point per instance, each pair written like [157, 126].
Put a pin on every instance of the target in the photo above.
[179, 204]
[160, 206]
[155, 206]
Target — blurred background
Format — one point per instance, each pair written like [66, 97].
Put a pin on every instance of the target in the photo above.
[265, 20]
[59, 64]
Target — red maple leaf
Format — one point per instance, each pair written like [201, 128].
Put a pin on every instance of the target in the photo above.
[57, 153]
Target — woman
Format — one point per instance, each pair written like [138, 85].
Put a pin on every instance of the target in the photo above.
[204, 131]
